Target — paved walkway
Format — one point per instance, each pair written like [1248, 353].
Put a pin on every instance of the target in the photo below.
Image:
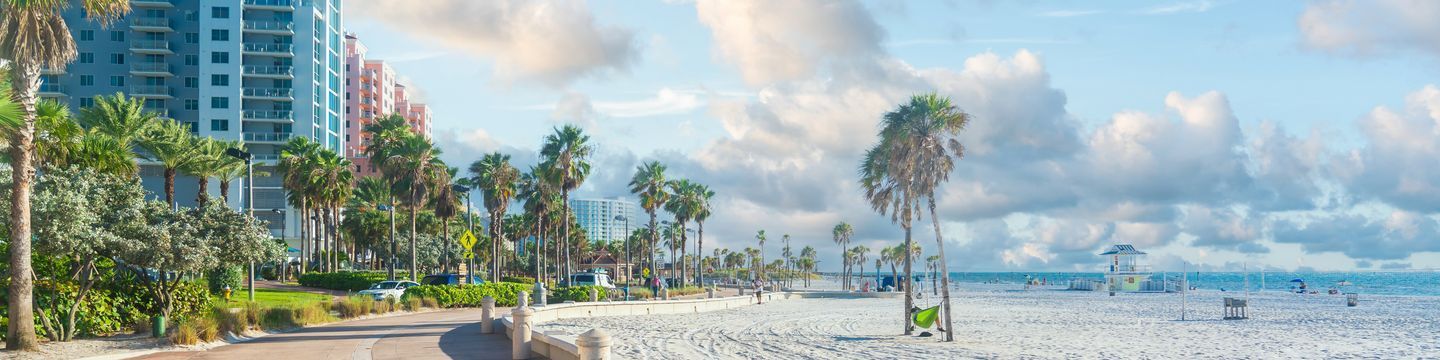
[448, 334]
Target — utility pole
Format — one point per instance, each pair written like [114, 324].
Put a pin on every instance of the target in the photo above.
[390, 265]
[249, 203]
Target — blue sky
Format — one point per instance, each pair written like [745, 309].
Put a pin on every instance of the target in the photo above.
[1284, 134]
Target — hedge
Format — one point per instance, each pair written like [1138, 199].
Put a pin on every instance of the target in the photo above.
[468, 295]
[576, 294]
[346, 280]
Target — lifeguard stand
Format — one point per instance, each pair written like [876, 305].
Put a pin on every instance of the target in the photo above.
[1124, 271]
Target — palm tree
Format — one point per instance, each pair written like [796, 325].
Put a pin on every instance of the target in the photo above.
[808, 255]
[760, 238]
[786, 254]
[933, 263]
[649, 183]
[171, 144]
[232, 168]
[859, 252]
[701, 212]
[61, 142]
[415, 171]
[297, 159]
[331, 178]
[496, 180]
[567, 151]
[208, 158]
[917, 151]
[120, 117]
[540, 198]
[447, 204]
[33, 35]
[842, 233]
[684, 205]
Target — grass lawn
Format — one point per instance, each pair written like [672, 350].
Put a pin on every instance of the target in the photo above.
[273, 297]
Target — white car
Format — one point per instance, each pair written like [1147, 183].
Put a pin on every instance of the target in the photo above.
[388, 289]
[589, 279]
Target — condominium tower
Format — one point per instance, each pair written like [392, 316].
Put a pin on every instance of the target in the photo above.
[598, 218]
[372, 91]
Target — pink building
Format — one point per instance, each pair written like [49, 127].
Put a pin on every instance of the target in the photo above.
[371, 92]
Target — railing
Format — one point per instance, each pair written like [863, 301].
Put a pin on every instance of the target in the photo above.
[150, 67]
[159, 112]
[269, 48]
[268, 137]
[367, 115]
[269, 25]
[150, 45]
[269, 70]
[150, 90]
[51, 88]
[151, 3]
[367, 101]
[268, 115]
[366, 86]
[370, 73]
[1127, 268]
[267, 157]
[268, 92]
[150, 22]
[275, 3]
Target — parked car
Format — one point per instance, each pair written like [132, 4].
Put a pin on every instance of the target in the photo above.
[387, 289]
[589, 279]
[450, 279]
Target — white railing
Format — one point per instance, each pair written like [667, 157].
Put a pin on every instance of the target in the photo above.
[267, 137]
[268, 92]
[269, 70]
[269, 48]
[150, 45]
[150, 67]
[267, 115]
[260, 25]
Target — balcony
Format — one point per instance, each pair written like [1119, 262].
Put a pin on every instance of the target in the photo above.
[272, 5]
[51, 90]
[151, 91]
[160, 113]
[267, 157]
[269, 27]
[365, 86]
[268, 115]
[160, 47]
[51, 71]
[151, 24]
[163, 4]
[369, 73]
[273, 72]
[268, 93]
[367, 114]
[367, 101]
[267, 137]
[151, 69]
[282, 50]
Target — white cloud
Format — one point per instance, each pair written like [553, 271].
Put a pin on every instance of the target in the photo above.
[1397, 164]
[1180, 7]
[1069, 13]
[666, 101]
[771, 41]
[1368, 28]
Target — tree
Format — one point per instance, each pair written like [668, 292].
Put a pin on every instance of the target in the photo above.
[807, 255]
[415, 171]
[540, 201]
[685, 203]
[859, 252]
[33, 35]
[331, 180]
[917, 151]
[446, 204]
[842, 233]
[760, 238]
[497, 181]
[209, 156]
[650, 185]
[786, 254]
[60, 142]
[231, 168]
[171, 144]
[567, 151]
[120, 117]
[701, 213]
[297, 159]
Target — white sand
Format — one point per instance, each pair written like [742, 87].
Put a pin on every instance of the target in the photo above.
[1003, 321]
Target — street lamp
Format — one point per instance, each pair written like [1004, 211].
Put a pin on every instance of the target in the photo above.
[625, 244]
[390, 265]
[470, 225]
[285, 260]
[249, 201]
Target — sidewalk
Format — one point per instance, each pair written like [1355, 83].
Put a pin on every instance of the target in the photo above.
[448, 334]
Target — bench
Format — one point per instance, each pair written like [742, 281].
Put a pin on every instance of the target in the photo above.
[1235, 309]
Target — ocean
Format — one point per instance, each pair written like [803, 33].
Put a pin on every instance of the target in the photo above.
[1426, 283]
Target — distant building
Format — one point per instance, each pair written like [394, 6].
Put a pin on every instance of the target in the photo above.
[372, 91]
[597, 217]
[1124, 271]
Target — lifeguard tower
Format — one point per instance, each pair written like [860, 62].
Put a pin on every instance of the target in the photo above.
[1124, 271]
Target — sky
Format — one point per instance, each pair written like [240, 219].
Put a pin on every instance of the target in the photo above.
[1220, 134]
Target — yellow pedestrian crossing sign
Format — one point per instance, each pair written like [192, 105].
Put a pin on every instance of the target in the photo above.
[468, 254]
[467, 240]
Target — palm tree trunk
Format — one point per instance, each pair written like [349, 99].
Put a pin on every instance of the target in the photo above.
[335, 231]
[170, 186]
[565, 207]
[25, 81]
[944, 274]
[225, 190]
[304, 239]
[539, 252]
[699, 249]
[445, 230]
[654, 236]
[909, 298]
[414, 213]
[203, 194]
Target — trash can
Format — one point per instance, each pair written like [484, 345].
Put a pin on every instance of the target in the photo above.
[1352, 299]
[157, 326]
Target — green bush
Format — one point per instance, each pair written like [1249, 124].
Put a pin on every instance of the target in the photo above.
[185, 334]
[234, 322]
[518, 279]
[354, 306]
[222, 276]
[413, 303]
[469, 295]
[346, 280]
[277, 318]
[576, 294]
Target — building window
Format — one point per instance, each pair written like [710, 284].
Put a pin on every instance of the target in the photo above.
[219, 102]
[87, 102]
[220, 12]
[219, 125]
[219, 57]
[219, 80]
[192, 104]
[192, 60]
[87, 35]
[117, 59]
[117, 80]
[87, 58]
[117, 36]
[194, 126]
[219, 35]
[192, 82]
[192, 16]
[87, 80]
[192, 38]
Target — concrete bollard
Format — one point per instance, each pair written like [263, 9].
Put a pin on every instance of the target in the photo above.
[540, 299]
[709, 293]
[742, 291]
[665, 293]
[487, 315]
[594, 295]
[593, 345]
[522, 323]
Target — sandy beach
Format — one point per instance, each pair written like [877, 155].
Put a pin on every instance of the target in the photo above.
[1007, 321]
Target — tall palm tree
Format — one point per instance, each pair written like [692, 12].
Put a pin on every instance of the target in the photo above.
[379, 139]
[331, 178]
[859, 252]
[701, 212]
[760, 238]
[917, 151]
[232, 168]
[567, 151]
[683, 206]
[208, 162]
[786, 255]
[842, 233]
[650, 185]
[933, 263]
[415, 172]
[540, 201]
[61, 142]
[447, 205]
[497, 181]
[33, 35]
[118, 116]
[297, 159]
[807, 253]
[171, 144]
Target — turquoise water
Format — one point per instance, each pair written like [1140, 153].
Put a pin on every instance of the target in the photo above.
[1425, 283]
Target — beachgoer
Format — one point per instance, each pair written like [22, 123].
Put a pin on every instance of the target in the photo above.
[759, 287]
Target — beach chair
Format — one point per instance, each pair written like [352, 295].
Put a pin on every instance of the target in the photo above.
[1235, 309]
[1352, 300]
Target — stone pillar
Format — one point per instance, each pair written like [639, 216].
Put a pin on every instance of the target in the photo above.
[593, 345]
[540, 294]
[742, 290]
[665, 293]
[710, 293]
[487, 315]
[522, 324]
[594, 295]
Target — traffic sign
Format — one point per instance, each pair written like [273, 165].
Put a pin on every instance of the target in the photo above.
[467, 240]
[645, 272]
[468, 255]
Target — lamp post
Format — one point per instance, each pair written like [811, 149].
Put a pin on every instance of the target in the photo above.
[625, 245]
[470, 226]
[390, 265]
[285, 260]
[249, 202]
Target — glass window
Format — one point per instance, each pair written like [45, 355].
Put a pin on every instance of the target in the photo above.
[219, 102]
[219, 125]
[87, 58]
[87, 102]
[192, 60]
[219, 57]
[117, 36]
[87, 35]
[117, 59]
[192, 104]
[220, 35]
[219, 80]
[192, 82]
[192, 38]
[87, 80]
[117, 80]
[220, 12]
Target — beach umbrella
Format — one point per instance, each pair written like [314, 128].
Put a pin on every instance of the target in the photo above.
[1297, 280]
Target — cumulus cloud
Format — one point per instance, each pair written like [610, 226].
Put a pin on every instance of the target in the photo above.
[551, 41]
[772, 41]
[1224, 229]
[574, 107]
[1394, 237]
[1369, 28]
[1397, 163]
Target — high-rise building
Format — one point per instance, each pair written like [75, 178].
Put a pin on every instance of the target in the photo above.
[597, 217]
[261, 71]
[371, 92]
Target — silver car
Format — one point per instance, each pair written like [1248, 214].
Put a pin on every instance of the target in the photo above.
[388, 289]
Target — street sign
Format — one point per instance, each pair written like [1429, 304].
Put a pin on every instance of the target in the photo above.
[468, 255]
[467, 240]
[645, 272]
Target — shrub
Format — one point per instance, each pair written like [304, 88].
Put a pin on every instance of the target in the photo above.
[234, 322]
[382, 307]
[346, 280]
[222, 276]
[413, 303]
[518, 280]
[253, 311]
[576, 294]
[688, 290]
[206, 330]
[468, 295]
[278, 318]
[312, 313]
[431, 303]
[353, 307]
[637, 292]
[185, 334]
